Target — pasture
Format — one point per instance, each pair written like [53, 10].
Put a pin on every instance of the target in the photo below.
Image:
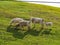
[12, 36]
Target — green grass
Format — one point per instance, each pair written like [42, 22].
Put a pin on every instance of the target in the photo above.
[10, 10]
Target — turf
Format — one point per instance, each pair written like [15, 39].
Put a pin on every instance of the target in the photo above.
[13, 9]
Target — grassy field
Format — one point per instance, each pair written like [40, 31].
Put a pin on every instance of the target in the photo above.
[10, 10]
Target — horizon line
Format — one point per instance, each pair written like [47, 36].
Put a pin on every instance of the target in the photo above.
[41, 1]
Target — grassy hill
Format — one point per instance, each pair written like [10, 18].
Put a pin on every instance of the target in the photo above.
[10, 10]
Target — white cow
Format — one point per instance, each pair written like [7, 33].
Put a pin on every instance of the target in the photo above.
[37, 20]
[15, 21]
[24, 23]
[49, 23]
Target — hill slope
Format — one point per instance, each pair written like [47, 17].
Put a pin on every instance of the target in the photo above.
[10, 9]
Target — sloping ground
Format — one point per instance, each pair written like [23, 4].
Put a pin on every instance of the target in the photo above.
[10, 10]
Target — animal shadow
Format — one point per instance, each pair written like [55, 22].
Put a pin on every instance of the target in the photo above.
[17, 33]
[11, 29]
[33, 32]
[47, 31]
